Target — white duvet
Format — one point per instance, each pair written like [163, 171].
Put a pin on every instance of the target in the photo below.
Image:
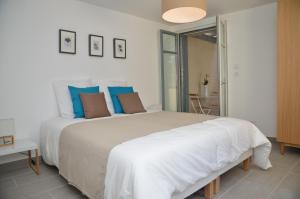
[161, 164]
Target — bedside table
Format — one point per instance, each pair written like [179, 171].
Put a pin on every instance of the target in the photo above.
[24, 145]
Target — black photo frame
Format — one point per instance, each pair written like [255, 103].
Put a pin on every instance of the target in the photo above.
[93, 45]
[67, 41]
[119, 48]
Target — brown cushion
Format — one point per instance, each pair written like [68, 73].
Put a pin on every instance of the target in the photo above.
[131, 103]
[94, 105]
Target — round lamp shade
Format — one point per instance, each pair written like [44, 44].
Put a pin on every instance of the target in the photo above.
[183, 11]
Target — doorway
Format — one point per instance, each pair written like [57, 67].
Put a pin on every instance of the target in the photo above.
[199, 57]
[194, 67]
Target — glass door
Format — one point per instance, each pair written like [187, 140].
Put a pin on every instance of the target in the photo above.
[169, 70]
[223, 68]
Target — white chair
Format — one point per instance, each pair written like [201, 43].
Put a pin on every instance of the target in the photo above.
[196, 104]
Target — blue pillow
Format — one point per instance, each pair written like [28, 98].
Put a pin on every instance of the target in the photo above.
[114, 92]
[75, 96]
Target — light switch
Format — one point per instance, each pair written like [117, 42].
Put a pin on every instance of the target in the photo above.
[236, 66]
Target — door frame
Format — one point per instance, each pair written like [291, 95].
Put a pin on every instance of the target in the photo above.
[184, 69]
[162, 51]
[223, 65]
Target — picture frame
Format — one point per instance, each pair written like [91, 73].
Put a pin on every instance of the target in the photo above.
[7, 140]
[67, 41]
[96, 45]
[7, 132]
[119, 48]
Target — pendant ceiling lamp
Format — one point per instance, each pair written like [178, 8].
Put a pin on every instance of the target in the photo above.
[183, 11]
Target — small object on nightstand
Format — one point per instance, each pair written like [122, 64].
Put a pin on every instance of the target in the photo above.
[24, 145]
[7, 132]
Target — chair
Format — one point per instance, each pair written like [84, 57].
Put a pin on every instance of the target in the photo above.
[195, 100]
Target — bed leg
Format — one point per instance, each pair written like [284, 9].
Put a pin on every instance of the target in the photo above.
[209, 190]
[217, 185]
[246, 164]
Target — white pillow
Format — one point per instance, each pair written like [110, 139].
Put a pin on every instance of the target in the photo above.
[103, 88]
[63, 96]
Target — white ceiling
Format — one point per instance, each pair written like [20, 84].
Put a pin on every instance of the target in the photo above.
[150, 9]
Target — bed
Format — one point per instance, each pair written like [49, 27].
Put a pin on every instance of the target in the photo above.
[159, 155]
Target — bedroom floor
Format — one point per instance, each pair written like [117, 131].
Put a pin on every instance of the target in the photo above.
[281, 182]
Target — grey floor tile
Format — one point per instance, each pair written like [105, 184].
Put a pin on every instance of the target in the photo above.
[66, 192]
[11, 194]
[269, 177]
[44, 195]
[246, 189]
[5, 168]
[38, 186]
[296, 169]
[31, 177]
[18, 181]
[17, 172]
[286, 161]
[8, 183]
[289, 188]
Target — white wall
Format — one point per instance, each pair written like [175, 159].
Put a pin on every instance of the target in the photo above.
[29, 58]
[252, 66]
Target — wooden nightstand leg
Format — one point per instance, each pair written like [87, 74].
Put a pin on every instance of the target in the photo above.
[35, 166]
[37, 161]
[29, 158]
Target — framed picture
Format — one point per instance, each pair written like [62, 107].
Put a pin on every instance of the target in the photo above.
[67, 41]
[7, 131]
[119, 48]
[7, 140]
[96, 45]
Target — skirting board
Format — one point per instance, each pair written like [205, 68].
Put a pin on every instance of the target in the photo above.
[203, 182]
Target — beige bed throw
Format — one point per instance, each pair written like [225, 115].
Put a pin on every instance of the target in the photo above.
[84, 147]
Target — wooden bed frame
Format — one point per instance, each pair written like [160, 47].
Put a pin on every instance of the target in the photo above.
[211, 183]
[214, 186]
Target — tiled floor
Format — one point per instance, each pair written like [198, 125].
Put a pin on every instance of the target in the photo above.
[280, 182]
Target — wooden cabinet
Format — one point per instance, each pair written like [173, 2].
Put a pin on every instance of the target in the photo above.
[288, 72]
